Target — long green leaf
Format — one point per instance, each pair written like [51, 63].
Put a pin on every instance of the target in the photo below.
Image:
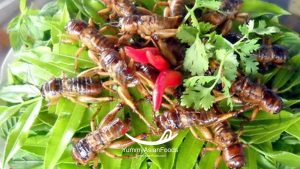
[91, 7]
[263, 130]
[284, 157]
[69, 166]
[207, 161]
[188, 152]
[66, 53]
[18, 135]
[259, 7]
[251, 159]
[16, 93]
[62, 132]
[36, 145]
[30, 73]
[109, 162]
[24, 159]
[136, 163]
[7, 126]
[162, 158]
[7, 112]
[294, 130]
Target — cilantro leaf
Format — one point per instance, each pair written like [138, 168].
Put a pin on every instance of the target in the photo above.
[214, 5]
[226, 91]
[230, 63]
[197, 59]
[200, 4]
[204, 27]
[262, 28]
[246, 29]
[198, 97]
[194, 19]
[199, 88]
[198, 80]
[187, 34]
[248, 46]
[250, 65]
[189, 97]
[245, 47]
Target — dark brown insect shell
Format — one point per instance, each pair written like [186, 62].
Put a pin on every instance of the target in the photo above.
[75, 27]
[234, 156]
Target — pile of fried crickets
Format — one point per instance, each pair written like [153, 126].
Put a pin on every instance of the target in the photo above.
[145, 54]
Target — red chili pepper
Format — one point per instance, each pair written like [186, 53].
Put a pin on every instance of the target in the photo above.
[153, 50]
[148, 55]
[167, 78]
[157, 61]
[137, 55]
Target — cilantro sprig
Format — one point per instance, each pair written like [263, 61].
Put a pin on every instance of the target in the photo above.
[206, 46]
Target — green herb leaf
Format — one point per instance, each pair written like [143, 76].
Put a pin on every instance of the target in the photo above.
[211, 4]
[196, 59]
[291, 40]
[263, 29]
[18, 135]
[250, 65]
[230, 63]
[169, 157]
[109, 162]
[7, 112]
[36, 145]
[257, 8]
[294, 130]
[251, 158]
[262, 130]
[92, 7]
[197, 97]
[16, 93]
[209, 158]
[24, 159]
[62, 132]
[284, 157]
[187, 34]
[189, 151]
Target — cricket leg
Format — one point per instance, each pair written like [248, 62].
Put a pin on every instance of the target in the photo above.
[104, 12]
[92, 72]
[143, 11]
[227, 27]
[106, 85]
[77, 54]
[109, 154]
[95, 163]
[125, 96]
[228, 115]
[207, 149]
[165, 33]
[93, 121]
[205, 132]
[126, 143]
[111, 115]
[164, 48]
[217, 162]
[77, 101]
[254, 114]
[89, 99]
[158, 4]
